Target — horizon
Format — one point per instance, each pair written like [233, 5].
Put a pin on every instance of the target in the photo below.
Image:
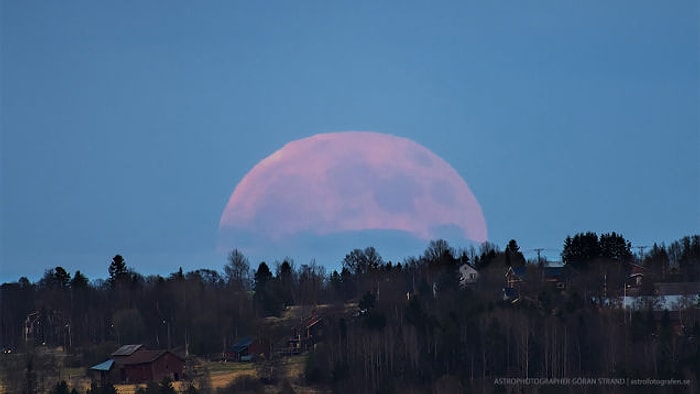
[330, 261]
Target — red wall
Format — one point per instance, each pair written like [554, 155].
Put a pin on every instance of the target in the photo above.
[166, 365]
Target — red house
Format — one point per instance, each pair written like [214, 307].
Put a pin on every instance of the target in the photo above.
[136, 364]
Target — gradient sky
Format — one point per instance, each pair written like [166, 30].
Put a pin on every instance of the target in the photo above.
[126, 126]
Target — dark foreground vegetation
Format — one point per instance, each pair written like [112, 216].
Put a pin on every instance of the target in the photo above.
[378, 326]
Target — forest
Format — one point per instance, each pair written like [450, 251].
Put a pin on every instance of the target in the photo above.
[413, 326]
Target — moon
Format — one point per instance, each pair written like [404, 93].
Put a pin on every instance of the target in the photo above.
[352, 181]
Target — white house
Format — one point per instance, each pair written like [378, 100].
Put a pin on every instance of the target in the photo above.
[468, 275]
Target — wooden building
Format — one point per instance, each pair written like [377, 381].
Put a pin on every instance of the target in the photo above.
[135, 364]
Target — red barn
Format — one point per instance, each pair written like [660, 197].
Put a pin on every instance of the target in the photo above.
[135, 364]
[148, 365]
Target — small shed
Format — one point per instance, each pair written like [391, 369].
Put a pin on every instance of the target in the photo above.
[248, 348]
[101, 371]
[554, 275]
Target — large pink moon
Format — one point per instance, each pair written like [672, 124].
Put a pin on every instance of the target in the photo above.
[350, 181]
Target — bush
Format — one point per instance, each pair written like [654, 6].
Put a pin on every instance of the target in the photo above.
[61, 388]
[317, 369]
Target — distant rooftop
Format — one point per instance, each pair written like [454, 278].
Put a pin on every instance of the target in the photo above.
[126, 350]
[142, 357]
[554, 264]
[520, 271]
[552, 273]
[103, 366]
[242, 344]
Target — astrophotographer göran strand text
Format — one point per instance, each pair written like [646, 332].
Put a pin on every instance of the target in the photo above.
[590, 381]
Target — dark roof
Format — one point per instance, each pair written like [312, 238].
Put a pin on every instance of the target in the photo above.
[126, 350]
[311, 321]
[103, 366]
[242, 344]
[142, 357]
[520, 272]
[552, 273]
[637, 270]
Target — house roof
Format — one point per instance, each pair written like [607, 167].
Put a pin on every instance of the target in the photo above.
[520, 272]
[312, 321]
[126, 350]
[242, 344]
[142, 357]
[637, 270]
[103, 366]
[552, 273]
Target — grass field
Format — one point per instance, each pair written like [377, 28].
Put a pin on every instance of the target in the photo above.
[222, 374]
[292, 370]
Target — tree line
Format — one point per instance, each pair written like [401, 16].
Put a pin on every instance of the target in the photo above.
[413, 326]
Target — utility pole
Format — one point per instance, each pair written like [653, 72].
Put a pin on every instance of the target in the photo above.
[539, 255]
[641, 252]
[605, 287]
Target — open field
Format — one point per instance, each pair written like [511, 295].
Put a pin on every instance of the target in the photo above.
[222, 374]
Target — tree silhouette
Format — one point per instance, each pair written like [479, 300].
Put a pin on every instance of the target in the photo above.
[614, 246]
[237, 271]
[62, 277]
[439, 252]
[285, 279]
[359, 261]
[262, 276]
[117, 269]
[267, 293]
[658, 262]
[513, 255]
[79, 281]
[580, 250]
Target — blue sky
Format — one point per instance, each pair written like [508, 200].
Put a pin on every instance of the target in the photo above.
[126, 126]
